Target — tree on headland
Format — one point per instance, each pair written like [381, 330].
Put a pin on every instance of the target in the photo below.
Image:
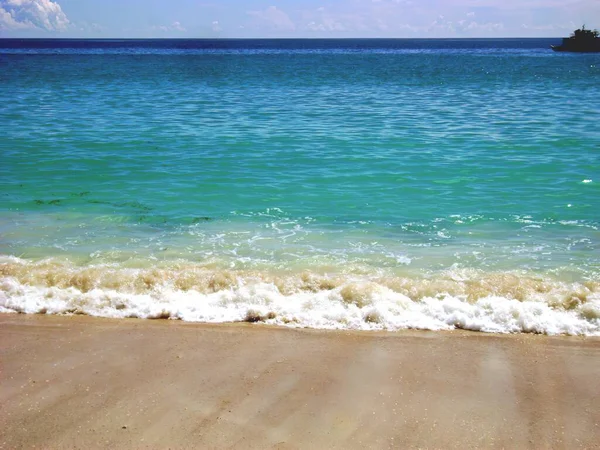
[584, 34]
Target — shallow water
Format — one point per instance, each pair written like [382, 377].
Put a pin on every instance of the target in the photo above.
[338, 184]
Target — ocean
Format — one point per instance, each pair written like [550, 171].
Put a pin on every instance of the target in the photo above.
[338, 184]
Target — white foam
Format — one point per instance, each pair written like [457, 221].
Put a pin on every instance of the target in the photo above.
[374, 308]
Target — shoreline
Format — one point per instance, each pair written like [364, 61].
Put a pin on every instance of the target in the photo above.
[469, 300]
[85, 382]
[247, 325]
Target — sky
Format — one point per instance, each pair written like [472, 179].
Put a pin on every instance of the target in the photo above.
[295, 18]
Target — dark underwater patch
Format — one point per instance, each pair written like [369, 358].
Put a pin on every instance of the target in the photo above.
[48, 202]
[201, 219]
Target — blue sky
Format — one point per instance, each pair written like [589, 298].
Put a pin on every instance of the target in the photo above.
[288, 18]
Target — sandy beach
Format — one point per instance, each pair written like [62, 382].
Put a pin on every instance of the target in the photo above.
[81, 382]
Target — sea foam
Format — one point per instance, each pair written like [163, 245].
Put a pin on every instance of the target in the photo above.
[503, 303]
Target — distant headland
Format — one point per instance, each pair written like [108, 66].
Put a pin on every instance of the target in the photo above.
[580, 41]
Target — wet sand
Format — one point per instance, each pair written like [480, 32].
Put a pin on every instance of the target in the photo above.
[81, 382]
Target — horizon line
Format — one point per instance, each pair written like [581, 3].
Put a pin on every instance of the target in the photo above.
[260, 38]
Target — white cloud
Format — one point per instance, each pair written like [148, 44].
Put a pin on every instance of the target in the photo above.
[93, 28]
[8, 22]
[324, 20]
[326, 25]
[274, 18]
[32, 14]
[215, 26]
[175, 26]
[442, 27]
[488, 26]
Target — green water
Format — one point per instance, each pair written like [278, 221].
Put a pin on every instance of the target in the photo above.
[370, 162]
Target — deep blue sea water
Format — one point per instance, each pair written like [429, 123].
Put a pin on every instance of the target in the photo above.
[370, 184]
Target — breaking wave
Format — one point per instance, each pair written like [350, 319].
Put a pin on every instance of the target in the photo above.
[470, 299]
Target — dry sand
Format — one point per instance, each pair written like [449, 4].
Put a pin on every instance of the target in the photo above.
[80, 382]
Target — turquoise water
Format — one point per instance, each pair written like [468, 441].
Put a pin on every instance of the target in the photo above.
[388, 175]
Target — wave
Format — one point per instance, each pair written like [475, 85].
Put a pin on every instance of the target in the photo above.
[470, 299]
